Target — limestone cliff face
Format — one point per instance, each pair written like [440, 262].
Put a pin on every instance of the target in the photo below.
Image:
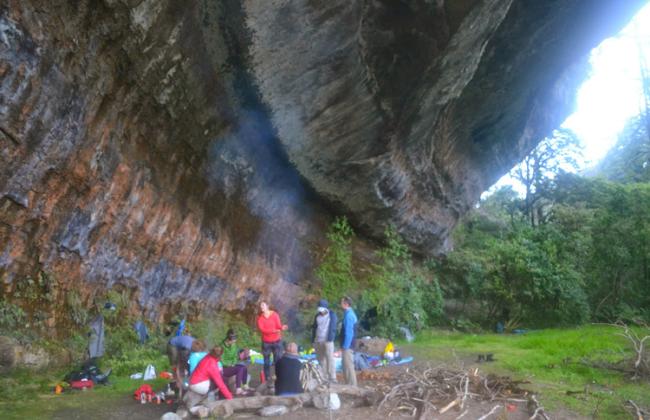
[194, 150]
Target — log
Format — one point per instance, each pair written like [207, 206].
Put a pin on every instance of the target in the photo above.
[226, 408]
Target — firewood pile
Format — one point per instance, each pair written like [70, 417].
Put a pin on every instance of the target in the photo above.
[425, 393]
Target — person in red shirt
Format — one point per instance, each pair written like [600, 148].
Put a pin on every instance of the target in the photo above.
[207, 373]
[270, 326]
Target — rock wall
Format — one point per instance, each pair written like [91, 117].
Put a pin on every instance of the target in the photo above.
[195, 151]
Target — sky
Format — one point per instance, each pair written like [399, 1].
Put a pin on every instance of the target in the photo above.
[612, 93]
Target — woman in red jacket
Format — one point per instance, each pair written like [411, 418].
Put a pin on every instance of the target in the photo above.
[269, 324]
[207, 371]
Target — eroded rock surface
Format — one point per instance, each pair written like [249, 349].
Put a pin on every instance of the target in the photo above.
[185, 149]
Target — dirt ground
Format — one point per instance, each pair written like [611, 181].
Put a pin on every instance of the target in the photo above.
[120, 408]
[128, 408]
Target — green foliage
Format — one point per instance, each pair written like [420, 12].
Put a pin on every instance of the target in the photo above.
[398, 293]
[517, 273]
[135, 358]
[335, 270]
[538, 171]
[590, 258]
[76, 309]
[614, 243]
[213, 331]
[12, 317]
[629, 159]
[35, 291]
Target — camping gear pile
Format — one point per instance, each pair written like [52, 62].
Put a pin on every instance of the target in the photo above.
[367, 356]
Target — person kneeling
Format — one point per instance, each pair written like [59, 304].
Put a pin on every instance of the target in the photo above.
[287, 371]
[206, 375]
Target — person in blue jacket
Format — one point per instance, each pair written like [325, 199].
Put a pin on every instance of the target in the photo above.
[347, 338]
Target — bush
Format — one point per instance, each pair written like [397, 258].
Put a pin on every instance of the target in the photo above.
[399, 294]
[213, 331]
[335, 270]
[135, 359]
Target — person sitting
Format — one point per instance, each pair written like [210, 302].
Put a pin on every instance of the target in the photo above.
[287, 371]
[197, 354]
[230, 361]
[207, 374]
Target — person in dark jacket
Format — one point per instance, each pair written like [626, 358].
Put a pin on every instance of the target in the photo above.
[287, 372]
[322, 338]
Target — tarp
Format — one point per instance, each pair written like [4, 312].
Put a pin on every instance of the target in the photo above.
[96, 341]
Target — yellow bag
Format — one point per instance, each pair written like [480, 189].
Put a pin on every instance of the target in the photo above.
[390, 348]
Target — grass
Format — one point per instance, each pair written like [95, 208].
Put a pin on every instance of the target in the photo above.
[27, 395]
[552, 361]
[549, 359]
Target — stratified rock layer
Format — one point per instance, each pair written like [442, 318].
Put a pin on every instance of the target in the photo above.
[184, 149]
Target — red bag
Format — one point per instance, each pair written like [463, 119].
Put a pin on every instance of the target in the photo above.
[81, 384]
[144, 389]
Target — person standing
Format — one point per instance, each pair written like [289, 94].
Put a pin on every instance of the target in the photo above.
[347, 338]
[270, 326]
[322, 337]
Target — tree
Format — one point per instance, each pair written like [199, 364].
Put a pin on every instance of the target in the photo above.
[616, 264]
[629, 159]
[537, 171]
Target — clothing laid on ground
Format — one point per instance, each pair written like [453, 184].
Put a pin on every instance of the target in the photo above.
[208, 369]
[195, 358]
[287, 371]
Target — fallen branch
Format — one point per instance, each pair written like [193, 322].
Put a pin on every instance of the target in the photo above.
[430, 388]
[640, 365]
[463, 414]
[639, 412]
[446, 408]
[539, 410]
[494, 409]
